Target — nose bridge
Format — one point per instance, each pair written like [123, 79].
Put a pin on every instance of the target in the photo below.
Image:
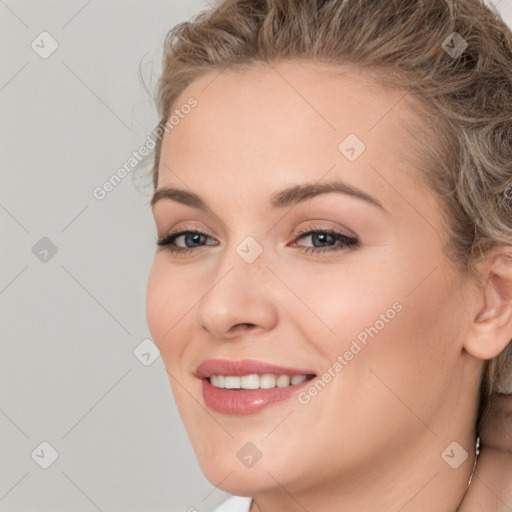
[244, 256]
[237, 293]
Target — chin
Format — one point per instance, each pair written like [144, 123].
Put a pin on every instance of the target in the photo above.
[241, 481]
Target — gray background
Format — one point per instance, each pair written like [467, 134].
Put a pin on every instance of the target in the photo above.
[70, 324]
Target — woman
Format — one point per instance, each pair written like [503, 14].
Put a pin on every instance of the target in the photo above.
[331, 292]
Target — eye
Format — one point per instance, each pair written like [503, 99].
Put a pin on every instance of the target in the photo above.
[322, 240]
[190, 236]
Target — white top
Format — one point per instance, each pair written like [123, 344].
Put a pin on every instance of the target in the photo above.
[235, 504]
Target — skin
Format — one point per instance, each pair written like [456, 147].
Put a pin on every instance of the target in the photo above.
[373, 438]
[491, 489]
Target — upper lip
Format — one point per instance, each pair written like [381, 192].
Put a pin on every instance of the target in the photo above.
[244, 367]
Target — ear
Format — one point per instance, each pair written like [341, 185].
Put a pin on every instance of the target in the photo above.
[491, 329]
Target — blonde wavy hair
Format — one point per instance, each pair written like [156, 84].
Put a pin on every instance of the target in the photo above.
[464, 102]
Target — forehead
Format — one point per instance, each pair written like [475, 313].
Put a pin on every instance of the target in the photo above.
[297, 95]
[301, 99]
[274, 124]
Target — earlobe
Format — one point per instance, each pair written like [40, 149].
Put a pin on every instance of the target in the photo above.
[491, 330]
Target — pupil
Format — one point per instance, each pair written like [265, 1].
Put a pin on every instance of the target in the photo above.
[322, 237]
[195, 238]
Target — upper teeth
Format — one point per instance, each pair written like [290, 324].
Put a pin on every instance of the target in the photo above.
[254, 381]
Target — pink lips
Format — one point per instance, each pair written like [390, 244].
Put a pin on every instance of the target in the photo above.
[237, 401]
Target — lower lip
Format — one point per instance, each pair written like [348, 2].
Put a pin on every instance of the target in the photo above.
[232, 401]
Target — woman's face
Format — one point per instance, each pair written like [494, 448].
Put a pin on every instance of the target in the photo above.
[372, 308]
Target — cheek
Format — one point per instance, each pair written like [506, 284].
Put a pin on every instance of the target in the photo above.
[168, 301]
[344, 304]
[398, 318]
[421, 342]
[155, 298]
[391, 343]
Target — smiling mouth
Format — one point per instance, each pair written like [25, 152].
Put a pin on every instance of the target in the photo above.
[257, 381]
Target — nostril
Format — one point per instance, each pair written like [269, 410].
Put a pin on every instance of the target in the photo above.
[243, 327]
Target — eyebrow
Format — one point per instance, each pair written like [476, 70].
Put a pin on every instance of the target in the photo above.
[281, 199]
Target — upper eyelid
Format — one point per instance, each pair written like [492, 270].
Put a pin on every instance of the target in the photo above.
[340, 227]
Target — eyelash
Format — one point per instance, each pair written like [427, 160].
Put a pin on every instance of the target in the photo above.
[347, 242]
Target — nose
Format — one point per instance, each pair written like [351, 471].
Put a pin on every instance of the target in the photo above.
[238, 299]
